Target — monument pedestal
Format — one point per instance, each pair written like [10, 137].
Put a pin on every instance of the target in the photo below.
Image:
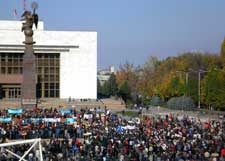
[29, 103]
[29, 76]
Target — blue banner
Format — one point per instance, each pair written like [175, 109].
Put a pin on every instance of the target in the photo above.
[51, 119]
[35, 119]
[66, 111]
[119, 129]
[15, 111]
[45, 119]
[7, 119]
[70, 120]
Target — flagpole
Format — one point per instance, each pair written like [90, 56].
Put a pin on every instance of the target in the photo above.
[24, 5]
[15, 14]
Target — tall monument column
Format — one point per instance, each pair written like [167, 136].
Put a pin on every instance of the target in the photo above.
[28, 89]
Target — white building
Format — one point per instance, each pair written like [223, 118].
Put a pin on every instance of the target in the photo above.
[67, 62]
[104, 75]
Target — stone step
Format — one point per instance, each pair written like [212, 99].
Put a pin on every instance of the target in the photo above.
[55, 104]
[10, 104]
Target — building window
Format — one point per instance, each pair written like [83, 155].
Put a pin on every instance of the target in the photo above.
[11, 63]
[47, 67]
[48, 70]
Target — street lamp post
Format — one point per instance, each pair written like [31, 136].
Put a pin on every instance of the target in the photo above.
[199, 89]
[186, 78]
[199, 84]
[186, 82]
[199, 80]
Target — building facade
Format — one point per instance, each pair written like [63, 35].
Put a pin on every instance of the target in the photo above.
[104, 75]
[66, 62]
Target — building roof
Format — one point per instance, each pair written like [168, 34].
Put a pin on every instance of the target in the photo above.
[16, 25]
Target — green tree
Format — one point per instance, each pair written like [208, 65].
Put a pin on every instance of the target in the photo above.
[213, 89]
[173, 87]
[166, 78]
[125, 91]
[98, 89]
[128, 74]
[112, 85]
[222, 51]
[147, 80]
[105, 90]
[192, 87]
[151, 63]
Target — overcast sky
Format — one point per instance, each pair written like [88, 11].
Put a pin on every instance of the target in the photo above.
[132, 30]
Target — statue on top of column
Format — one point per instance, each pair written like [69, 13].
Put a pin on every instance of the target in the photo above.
[30, 19]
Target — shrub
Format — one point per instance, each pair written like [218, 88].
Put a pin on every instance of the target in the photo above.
[156, 101]
[181, 103]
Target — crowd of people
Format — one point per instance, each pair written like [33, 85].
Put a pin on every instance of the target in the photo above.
[100, 135]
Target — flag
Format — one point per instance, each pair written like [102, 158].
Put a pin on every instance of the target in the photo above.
[24, 5]
[119, 129]
[14, 13]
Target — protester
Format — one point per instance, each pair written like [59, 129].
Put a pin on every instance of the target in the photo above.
[93, 134]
